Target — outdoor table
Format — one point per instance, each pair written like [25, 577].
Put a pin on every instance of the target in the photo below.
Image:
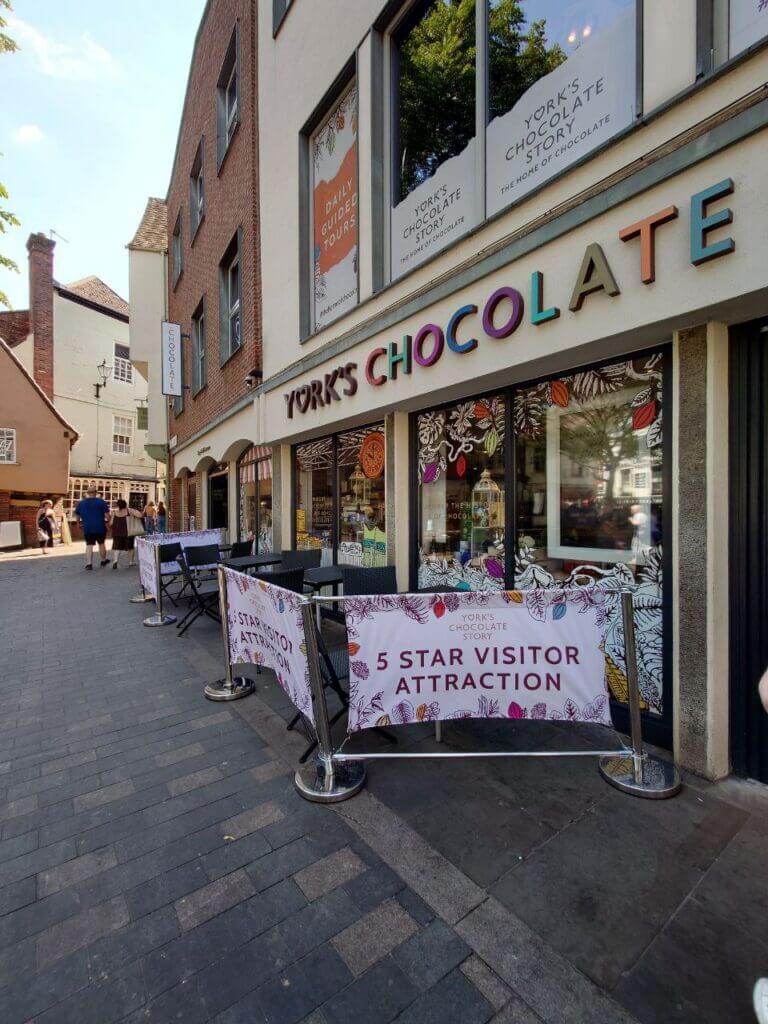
[323, 576]
[247, 562]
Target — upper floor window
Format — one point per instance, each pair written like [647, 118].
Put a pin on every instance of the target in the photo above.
[122, 367]
[230, 300]
[177, 251]
[737, 25]
[122, 435]
[142, 417]
[199, 366]
[333, 234]
[561, 80]
[228, 96]
[7, 444]
[196, 192]
[279, 11]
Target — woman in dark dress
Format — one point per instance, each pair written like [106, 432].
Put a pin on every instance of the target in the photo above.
[120, 539]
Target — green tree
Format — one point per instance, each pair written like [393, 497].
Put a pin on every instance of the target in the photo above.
[437, 78]
[7, 219]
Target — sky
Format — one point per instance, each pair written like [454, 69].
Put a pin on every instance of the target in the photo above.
[89, 115]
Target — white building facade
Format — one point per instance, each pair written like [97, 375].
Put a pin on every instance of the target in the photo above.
[514, 288]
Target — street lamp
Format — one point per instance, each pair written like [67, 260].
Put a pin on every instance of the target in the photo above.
[104, 372]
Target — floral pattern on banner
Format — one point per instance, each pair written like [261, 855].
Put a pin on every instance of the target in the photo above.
[266, 628]
[371, 635]
[145, 550]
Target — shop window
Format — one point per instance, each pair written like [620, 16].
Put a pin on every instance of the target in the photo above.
[122, 368]
[7, 445]
[561, 82]
[333, 228]
[340, 497]
[230, 300]
[199, 359]
[462, 499]
[255, 497]
[142, 417]
[196, 192]
[433, 152]
[601, 528]
[227, 98]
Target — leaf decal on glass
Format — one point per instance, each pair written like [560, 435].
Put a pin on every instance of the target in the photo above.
[494, 568]
[461, 466]
[655, 433]
[491, 441]
[559, 392]
[430, 473]
[481, 410]
[644, 415]
[642, 397]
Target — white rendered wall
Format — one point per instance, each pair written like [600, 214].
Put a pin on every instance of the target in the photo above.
[147, 294]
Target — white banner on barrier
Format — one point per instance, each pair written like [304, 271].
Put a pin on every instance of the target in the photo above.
[535, 654]
[145, 549]
[266, 628]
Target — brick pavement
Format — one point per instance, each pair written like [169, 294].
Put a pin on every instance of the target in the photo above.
[156, 863]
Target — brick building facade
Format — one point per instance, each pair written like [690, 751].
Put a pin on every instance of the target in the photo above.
[214, 272]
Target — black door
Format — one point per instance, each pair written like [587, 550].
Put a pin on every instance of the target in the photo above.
[748, 539]
[218, 512]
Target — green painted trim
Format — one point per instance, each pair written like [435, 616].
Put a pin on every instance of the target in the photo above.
[239, 405]
[717, 139]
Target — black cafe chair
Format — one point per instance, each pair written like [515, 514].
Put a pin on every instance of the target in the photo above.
[308, 558]
[358, 580]
[241, 549]
[204, 595]
[170, 553]
[202, 560]
[290, 579]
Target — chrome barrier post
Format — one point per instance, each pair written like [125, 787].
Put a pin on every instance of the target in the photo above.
[322, 779]
[641, 774]
[228, 688]
[159, 619]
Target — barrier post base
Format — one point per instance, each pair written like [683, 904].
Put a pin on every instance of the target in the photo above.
[655, 779]
[159, 620]
[141, 598]
[222, 690]
[315, 783]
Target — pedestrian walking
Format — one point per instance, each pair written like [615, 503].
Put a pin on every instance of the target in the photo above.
[93, 515]
[149, 515]
[121, 534]
[45, 525]
[162, 517]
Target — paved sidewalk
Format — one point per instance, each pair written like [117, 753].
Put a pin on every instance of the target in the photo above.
[157, 865]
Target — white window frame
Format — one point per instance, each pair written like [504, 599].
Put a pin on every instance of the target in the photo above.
[122, 440]
[8, 446]
[233, 304]
[122, 368]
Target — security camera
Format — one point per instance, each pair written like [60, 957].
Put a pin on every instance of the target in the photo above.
[252, 379]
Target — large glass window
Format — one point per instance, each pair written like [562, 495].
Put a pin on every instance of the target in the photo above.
[334, 211]
[747, 22]
[433, 156]
[462, 495]
[561, 81]
[340, 497]
[255, 497]
[585, 485]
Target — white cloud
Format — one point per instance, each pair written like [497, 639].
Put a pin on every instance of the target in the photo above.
[28, 133]
[83, 60]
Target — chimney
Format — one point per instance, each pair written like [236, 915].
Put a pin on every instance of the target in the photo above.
[40, 249]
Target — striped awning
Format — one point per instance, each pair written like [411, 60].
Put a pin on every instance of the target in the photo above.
[256, 464]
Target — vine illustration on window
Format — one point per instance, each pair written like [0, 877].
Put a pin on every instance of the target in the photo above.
[255, 497]
[434, 159]
[461, 493]
[590, 501]
[561, 82]
[362, 505]
[334, 211]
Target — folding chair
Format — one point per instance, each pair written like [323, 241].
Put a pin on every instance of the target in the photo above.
[358, 580]
[170, 553]
[241, 549]
[201, 559]
[204, 594]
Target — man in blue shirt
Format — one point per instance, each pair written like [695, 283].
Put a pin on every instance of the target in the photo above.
[93, 513]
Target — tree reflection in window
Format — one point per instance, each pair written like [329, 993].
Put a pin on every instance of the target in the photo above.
[518, 54]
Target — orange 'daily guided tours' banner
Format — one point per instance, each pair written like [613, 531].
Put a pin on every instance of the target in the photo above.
[334, 212]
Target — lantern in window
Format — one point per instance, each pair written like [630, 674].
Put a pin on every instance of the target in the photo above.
[487, 515]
